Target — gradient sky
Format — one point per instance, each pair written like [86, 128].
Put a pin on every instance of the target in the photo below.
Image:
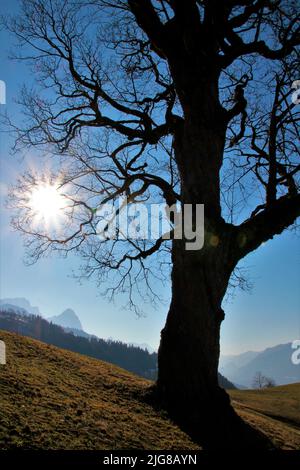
[269, 315]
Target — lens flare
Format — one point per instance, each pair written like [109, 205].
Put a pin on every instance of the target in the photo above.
[47, 202]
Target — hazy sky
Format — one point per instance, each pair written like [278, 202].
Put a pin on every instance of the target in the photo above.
[269, 315]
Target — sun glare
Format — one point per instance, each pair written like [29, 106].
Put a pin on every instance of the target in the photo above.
[47, 202]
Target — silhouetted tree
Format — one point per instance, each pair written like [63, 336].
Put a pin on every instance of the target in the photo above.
[194, 101]
[269, 382]
[258, 380]
[261, 381]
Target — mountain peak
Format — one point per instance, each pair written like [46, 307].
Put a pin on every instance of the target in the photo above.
[20, 303]
[67, 319]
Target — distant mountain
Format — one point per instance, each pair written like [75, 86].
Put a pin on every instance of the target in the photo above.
[13, 308]
[229, 365]
[81, 333]
[67, 319]
[274, 362]
[239, 360]
[20, 304]
[144, 346]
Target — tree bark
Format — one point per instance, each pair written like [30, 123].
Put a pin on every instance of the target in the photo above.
[189, 350]
[189, 353]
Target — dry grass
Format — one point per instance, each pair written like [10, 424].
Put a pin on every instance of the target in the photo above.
[275, 411]
[282, 402]
[57, 399]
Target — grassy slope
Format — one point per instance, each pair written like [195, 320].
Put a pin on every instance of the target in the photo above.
[276, 411]
[56, 399]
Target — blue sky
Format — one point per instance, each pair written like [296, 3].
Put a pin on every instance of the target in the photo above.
[269, 315]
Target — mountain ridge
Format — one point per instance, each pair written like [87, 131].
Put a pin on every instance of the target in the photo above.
[21, 303]
[274, 362]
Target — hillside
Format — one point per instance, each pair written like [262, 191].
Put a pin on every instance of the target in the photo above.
[56, 399]
[275, 410]
[282, 403]
[130, 357]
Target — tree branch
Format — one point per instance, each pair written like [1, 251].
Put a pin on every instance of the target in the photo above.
[261, 48]
[148, 20]
[266, 224]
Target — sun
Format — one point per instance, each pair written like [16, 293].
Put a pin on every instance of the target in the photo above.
[47, 202]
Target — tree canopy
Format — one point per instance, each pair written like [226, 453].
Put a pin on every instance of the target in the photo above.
[117, 84]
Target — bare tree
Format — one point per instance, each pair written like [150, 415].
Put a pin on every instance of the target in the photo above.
[261, 381]
[258, 380]
[192, 101]
[269, 382]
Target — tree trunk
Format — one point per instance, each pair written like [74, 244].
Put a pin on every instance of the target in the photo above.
[189, 350]
[189, 353]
